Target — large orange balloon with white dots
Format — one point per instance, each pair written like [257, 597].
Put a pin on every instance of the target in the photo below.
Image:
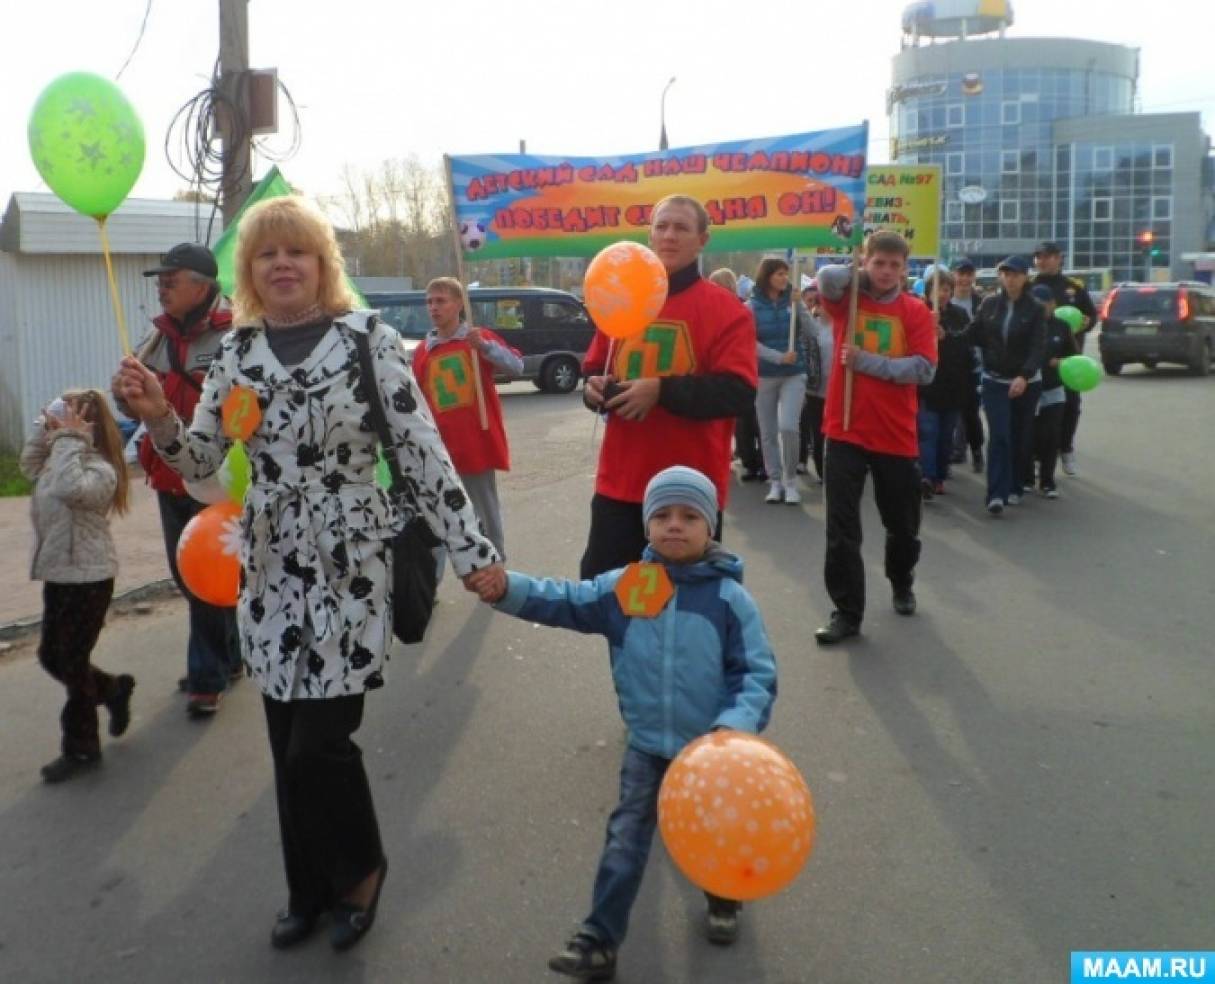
[736, 816]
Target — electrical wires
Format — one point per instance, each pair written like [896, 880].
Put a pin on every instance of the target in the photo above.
[138, 40]
[195, 136]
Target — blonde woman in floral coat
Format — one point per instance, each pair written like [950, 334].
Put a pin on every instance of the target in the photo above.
[315, 612]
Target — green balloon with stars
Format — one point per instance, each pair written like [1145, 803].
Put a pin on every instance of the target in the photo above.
[86, 142]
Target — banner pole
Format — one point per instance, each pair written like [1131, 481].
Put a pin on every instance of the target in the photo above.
[123, 338]
[850, 338]
[482, 415]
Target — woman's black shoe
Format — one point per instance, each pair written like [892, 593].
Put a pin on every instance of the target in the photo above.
[67, 766]
[837, 630]
[350, 924]
[291, 928]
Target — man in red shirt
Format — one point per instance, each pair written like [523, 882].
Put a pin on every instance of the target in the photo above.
[671, 392]
[443, 366]
[893, 350]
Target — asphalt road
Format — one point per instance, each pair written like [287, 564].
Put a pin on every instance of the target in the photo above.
[1023, 769]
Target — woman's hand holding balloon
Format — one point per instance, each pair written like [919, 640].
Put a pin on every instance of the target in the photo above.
[141, 390]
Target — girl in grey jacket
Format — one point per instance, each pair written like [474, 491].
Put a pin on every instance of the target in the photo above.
[74, 458]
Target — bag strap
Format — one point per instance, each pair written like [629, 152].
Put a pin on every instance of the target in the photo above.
[379, 420]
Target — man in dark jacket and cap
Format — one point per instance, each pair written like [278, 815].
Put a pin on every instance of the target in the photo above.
[1048, 262]
[185, 339]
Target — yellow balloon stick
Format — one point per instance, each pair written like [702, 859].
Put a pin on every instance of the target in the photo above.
[123, 339]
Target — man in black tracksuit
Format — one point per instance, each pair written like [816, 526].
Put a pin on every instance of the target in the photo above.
[1048, 262]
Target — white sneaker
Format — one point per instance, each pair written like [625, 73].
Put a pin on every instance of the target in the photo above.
[1068, 459]
[776, 493]
[995, 507]
[792, 496]
[1014, 499]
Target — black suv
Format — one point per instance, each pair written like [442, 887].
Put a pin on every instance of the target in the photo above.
[1152, 323]
[551, 328]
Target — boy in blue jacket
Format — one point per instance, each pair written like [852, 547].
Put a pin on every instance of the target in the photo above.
[689, 655]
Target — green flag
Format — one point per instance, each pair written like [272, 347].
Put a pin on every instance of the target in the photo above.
[271, 186]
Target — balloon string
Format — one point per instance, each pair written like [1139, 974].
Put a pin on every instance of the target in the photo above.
[123, 338]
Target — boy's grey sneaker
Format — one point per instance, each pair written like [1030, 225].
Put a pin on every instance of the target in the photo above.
[585, 958]
[995, 507]
[1068, 460]
[721, 921]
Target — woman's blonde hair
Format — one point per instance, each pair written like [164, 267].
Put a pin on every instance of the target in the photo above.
[294, 221]
[91, 405]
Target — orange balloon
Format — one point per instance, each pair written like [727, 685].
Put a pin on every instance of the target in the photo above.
[736, 816]
[624, 288]
[208, 554]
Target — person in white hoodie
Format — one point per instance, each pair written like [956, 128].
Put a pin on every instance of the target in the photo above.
[75, 460]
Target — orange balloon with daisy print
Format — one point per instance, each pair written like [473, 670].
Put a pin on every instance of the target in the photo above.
[736, 816]
[208, 554]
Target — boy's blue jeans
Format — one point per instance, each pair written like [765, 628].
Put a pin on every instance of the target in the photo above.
[630, 832]
[936, 429]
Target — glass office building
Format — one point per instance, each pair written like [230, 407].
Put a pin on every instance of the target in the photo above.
[1037, 138]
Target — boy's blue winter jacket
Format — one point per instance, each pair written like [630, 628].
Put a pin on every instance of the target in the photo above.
[703, 662]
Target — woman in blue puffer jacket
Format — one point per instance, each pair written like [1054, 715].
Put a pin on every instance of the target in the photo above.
[782, 375]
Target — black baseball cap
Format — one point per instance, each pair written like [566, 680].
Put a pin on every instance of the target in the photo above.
[1018, 264]
[963, 263]
[187, 256]
[1048, 246]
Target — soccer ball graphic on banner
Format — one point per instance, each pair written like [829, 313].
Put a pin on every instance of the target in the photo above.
[473, 233]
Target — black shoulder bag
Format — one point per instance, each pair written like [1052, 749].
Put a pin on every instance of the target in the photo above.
[414, 570]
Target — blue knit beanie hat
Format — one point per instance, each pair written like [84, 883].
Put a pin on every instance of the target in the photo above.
[681, 486]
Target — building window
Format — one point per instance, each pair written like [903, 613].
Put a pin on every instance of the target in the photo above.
[1103, 158]
[1102, 209]
[1010, 113]
[954, 115]
[1162, 157]
[1010, 162]
[1010, 211]
[1162, 208]
[953, 211]
[953, 163]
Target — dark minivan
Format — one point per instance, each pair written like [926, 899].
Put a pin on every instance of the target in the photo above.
[1153, 323]
[551, 328]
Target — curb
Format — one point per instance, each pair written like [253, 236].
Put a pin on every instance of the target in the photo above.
[154, 589]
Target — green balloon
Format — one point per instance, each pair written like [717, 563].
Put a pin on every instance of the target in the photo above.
[1079, 373]
[86, 142]
[235, 471]
[1073, 316]
[383, 476]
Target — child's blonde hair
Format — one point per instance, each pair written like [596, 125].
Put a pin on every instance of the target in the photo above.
[91, 405]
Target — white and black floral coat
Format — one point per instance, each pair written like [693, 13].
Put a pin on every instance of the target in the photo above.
[315, 606]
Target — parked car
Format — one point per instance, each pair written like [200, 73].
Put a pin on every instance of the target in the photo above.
[1153, 323]
[551, 328]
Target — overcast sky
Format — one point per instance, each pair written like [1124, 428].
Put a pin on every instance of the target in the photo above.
[382, 78]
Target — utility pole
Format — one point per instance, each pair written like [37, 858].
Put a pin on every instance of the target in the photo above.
[235, 131]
